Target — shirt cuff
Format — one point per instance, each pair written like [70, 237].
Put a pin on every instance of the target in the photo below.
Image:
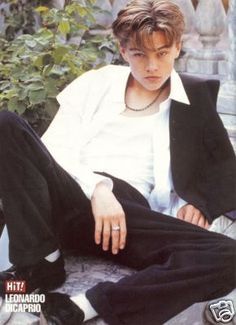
[89, 185]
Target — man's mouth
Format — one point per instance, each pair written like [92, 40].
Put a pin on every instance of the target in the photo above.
[153, 78]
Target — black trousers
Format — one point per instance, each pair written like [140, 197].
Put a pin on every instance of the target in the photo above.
[44, 208]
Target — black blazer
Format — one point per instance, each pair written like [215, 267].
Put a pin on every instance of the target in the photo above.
[202, 158]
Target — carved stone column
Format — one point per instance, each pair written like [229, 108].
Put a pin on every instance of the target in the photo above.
[190, 36]
[188, 10]
[227, 95]
[210, 24]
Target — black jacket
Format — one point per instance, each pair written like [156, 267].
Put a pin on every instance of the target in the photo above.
[202, 158]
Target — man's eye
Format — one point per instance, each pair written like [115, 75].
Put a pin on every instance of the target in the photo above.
[138, 54]
[161, 54]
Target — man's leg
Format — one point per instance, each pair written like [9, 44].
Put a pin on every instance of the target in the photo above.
[37, 196]
[179, 264]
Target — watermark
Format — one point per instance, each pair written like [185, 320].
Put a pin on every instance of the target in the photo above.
[17, 300]
[223, 311]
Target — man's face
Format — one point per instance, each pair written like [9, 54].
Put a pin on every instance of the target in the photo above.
[151, 67]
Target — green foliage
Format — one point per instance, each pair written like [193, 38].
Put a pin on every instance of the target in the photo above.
[34, 68]
[20, 17]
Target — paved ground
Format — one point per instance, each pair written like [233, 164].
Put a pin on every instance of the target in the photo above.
[85, 272]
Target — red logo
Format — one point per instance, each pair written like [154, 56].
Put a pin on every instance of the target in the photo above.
[12, 286]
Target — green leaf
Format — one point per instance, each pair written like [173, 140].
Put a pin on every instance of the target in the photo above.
[37, 96]
[15, 105]
[23, 94]
[21, 108]
[51, 87]
[35, 86]
[12, 104]
[59, 53]
[38, 62]
[10, 94]
[42, 9]
[33, 78]
[82, 11]
[47, 59]
[31, 43]
[44, 36]
[47, 69]
[4, 85]
[81, 27]
[64, 27]
[58, 70]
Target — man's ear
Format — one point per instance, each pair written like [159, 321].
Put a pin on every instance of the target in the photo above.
[123, 53]
[178, 47]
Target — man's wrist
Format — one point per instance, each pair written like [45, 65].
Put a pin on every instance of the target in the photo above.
[101, 187]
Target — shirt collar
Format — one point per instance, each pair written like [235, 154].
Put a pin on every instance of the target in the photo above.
[177, 91]
[120, 76]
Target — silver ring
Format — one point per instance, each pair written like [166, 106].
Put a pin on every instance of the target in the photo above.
[115, 228]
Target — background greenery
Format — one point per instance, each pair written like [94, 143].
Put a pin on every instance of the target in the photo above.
[36, 63]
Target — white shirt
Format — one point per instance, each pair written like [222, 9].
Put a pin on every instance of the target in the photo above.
[124, 149]
[88, 104]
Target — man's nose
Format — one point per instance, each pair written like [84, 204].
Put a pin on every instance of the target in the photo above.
[152, 65]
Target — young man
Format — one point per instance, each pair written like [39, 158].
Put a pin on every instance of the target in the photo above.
[145, 166]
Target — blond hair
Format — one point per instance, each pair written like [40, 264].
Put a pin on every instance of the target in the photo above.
[140, 18]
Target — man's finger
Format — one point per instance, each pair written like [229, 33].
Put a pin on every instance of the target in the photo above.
[206, 226]
[196, 218]
[115, 234]
[106, 234]
[98, 231]
[201, 222]
[188, 216]
[180, 214]
[123, 233]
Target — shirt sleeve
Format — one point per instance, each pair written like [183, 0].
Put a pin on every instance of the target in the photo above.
[64, 136]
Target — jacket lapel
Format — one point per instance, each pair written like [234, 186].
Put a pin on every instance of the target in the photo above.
[183, 137]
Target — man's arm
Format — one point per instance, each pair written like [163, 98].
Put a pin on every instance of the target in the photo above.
[108, 213]
[220, 172]
[211, 186]
[66, 132]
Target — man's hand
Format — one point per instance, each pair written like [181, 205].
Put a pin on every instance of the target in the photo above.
[191, 214]
[108, 214]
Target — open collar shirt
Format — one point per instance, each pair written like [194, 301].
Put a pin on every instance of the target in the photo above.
[86, 106]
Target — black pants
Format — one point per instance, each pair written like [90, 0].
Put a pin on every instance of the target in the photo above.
[44, 208]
